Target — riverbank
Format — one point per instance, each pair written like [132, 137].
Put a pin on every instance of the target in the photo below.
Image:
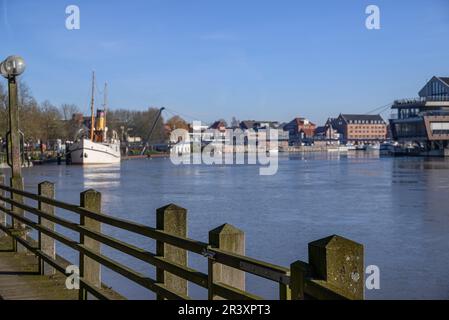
[146, 156]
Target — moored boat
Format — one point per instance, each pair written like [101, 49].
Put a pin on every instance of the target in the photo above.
[373, 147]
[387, 149]
[94, 146]
[85, 151]
[350, 146]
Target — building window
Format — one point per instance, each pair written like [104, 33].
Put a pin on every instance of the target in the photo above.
[439, 127]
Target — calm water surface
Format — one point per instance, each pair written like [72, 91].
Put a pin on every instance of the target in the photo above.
[397, 207]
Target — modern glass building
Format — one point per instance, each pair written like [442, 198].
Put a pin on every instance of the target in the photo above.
[424, 120]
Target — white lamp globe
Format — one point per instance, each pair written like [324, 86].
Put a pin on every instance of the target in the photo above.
[13, 66]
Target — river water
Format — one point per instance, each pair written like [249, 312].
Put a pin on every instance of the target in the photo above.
[398, 208]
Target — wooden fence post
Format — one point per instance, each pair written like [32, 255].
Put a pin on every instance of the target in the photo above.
[339, 262]
[171, 219]
[299, 271]
[46, 244]
[2, 204]
[90, 270]
[228, 238]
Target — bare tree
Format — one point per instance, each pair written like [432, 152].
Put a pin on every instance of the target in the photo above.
[3, 111]
[136, 123]
[142, 123]
[68, 110]
[52, 126]
[176, 122]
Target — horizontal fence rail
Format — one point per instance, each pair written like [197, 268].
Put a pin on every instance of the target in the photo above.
[335, 269]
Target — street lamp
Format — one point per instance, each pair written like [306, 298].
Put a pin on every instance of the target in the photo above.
[12, 67]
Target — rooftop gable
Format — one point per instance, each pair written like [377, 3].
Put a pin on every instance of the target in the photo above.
[368, 118]
[303, 122]
[218, 125]
[445, 80]
[435, 87]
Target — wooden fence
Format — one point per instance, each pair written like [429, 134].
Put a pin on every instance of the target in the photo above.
[335, 269]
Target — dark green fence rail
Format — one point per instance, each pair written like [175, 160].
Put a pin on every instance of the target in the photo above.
[335, 269]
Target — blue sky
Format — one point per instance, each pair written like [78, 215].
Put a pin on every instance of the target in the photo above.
[253, 59]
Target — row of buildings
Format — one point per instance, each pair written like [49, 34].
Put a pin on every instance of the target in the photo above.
[417, 126]
[420, 124]
[344, 129]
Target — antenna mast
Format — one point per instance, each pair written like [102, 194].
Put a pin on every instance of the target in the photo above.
[92, 101]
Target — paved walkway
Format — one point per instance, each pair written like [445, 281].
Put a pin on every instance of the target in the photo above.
[20, 281]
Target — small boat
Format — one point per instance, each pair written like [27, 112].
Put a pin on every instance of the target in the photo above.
[388, 149]
[373, 147]
[360, 147]
[350, 146]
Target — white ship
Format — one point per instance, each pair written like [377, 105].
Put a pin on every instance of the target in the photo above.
[85, 151]
[93, 146]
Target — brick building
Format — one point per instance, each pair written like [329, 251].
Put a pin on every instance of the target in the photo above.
[300, 129]
[360, 128]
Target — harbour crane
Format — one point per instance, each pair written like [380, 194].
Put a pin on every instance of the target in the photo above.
[147, 141]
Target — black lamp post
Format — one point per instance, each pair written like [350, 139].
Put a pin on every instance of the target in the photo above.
[11, 68]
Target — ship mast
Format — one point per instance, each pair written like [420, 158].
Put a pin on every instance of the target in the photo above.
[92, 101]
[105, 101]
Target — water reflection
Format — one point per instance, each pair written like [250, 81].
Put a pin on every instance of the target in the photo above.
[97, 176]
